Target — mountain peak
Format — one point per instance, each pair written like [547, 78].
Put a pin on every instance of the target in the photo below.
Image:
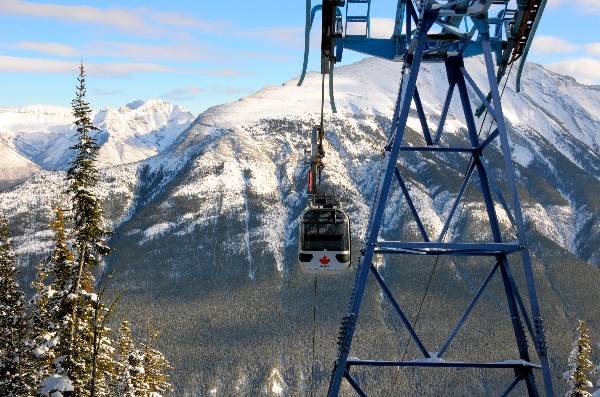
[43, 133]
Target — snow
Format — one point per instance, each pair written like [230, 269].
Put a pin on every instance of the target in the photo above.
[157, 230]
[233, 135]
[433, 358]
[522, 155]
[43, 134]
[518, 362]
[276, 383]
[236, 166]
[43, 349]
[56, 382]
[93, 297]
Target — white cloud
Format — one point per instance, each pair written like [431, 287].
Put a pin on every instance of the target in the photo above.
[220, 89]
[184, 51]
[288, 36]
[382, 28]
[145, 21]
[33, 65]
[182, 94]
[127, 20]
[124, 69]
[178, 19]
[191, 92]
[593, 49]
[585, 70]
[139, 21]
[109, 69]
[188, 51]
[265, 56]
[45, 48]
[587, 6]
[551, 45]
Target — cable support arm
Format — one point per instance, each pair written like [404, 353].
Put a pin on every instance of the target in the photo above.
[331, 32]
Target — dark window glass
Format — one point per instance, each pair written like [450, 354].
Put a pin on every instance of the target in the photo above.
[325, 230]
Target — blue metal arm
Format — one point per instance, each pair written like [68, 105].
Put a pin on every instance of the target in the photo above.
[310, 16]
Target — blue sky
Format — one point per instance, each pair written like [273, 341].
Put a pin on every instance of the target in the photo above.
[202, 53]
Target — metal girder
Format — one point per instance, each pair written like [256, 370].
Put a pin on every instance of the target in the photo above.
[514, 27]
[409, 79]
[420, 47]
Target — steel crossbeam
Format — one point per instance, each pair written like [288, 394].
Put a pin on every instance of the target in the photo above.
[451, 46]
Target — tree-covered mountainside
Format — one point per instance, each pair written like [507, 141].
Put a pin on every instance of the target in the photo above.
[206, 235]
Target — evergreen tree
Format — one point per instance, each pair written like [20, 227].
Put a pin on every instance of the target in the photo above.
[103, 365]
[52, 314]
[580, 364]
[88, 245]
[597, 371]
[66, 361]
[155, 365]
[16, 374]
[82, 350]
[50, 310]
[72, 343]
[90, 237]
[129, 379]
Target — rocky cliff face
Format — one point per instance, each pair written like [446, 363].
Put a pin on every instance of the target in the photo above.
[206, 230]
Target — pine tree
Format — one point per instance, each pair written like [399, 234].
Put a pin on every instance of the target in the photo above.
[580, 364]
[103, 365]
[82, 350]
[155, 365]
[597, 371]
[65, 361]
[72, 343]
[90, 237]
[16, 372]
[54, 316]
[129, 377]
[50, 311]
[88, 246]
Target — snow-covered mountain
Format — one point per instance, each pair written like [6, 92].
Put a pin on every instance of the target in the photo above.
[206, 229]
[42, 135]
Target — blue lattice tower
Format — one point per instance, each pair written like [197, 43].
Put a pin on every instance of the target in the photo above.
[436, 35]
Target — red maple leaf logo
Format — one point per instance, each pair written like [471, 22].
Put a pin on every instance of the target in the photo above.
[324, 260]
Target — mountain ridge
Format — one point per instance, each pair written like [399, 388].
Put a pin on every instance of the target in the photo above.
[206, 229]
[42, 134]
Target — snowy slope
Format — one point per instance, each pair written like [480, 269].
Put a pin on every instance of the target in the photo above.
[43, 134]
[555, 119]
[14, 167]
[553, 122]
[207, 221]
[222, 227]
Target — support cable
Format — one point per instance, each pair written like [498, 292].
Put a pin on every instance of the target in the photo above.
[321, 132]
[314, 331]
[322, 100]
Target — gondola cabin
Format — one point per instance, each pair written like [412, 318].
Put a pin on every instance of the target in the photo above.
[324, 243]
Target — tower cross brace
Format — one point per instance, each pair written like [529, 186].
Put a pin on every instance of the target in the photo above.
[524, 320]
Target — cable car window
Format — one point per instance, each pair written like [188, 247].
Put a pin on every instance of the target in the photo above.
[326, 216]
[325, 230]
